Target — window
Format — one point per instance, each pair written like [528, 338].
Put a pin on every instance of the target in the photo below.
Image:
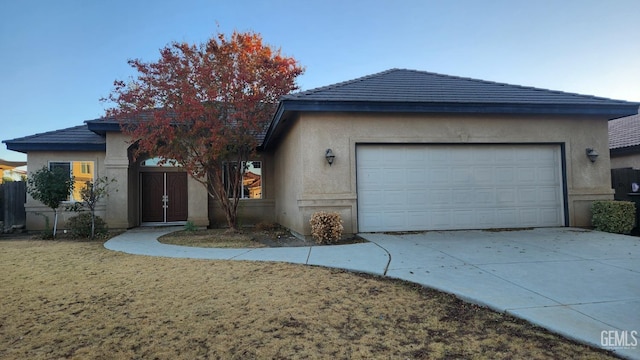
[251, 186]
[155, 162]
[81, 171]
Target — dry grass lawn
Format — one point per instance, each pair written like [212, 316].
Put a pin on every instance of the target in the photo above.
[70, 299]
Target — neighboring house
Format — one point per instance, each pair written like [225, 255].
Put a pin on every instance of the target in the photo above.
[14, 170]
[413, 151]
[624, 142]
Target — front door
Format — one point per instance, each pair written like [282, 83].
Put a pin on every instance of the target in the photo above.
[164, 196]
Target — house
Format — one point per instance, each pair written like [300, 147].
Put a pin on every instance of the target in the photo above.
[413, 151]
[624, 142]
[12, 170]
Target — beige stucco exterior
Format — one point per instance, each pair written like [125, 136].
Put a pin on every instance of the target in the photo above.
[251, 211]
[625, 161]
[120, 209]
[120, 164]
[35, 210]
[306, 182]
[298, 181]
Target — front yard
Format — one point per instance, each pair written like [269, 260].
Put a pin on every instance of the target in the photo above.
[71, 299]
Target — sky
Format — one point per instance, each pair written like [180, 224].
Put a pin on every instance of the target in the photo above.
[59, 58]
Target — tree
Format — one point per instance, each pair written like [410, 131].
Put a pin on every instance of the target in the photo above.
[204, 106]
[90, 195]
[50, 187]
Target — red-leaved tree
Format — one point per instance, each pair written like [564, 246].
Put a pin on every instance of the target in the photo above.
[205, 106]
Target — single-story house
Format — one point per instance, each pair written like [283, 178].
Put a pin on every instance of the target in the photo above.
[412, 150]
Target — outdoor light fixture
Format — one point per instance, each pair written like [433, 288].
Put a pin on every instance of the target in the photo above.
[592, 154]
[329, 156]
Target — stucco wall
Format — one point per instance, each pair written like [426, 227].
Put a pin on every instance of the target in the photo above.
[251, 211]
[309, 184]
[625, 161]
[39, 159]
[288, 172]
[120, 203]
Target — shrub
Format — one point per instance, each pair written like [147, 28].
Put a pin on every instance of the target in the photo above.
[80, 225]
[613, 216]
[190, 226]
[326, 228]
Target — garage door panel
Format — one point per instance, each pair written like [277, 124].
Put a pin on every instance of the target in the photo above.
[462, 218]
[548, 195]
[546, 174]
[549, 215]
[529, 217]
[439, 175]
[507, 217]
[483, 175]
[432, 187]
[506, 197]
[505, 175]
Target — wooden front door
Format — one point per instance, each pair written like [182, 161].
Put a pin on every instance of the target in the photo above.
[164, 196]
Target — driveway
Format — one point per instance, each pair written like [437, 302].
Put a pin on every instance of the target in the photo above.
[582, 284]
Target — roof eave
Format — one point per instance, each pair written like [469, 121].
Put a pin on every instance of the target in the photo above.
[101, 127]
[286, 106]
[617, 110]
[627, 150]
[25, 148]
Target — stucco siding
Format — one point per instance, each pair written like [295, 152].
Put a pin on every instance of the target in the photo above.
[625, 161]
[287, 177]
[333, 188]
[35, 210]
[251, 211]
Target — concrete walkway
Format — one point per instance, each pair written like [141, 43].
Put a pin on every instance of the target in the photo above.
[582, 284]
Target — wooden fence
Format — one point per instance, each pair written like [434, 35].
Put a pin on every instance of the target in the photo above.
[622, 181]
[13, 195]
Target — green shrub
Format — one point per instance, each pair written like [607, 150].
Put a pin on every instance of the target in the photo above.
[326, 228]
[613, 216]
[80, 225]
[190, 226]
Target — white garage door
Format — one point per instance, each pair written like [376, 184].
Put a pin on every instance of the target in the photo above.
[446, 187]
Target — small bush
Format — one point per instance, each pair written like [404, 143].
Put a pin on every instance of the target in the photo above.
[190, 226]
[613, 216]
[80, 225]
[326, 228]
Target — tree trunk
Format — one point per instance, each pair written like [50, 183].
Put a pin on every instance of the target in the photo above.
[93, 224]
[55, 221]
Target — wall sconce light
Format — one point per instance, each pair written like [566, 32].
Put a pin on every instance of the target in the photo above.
[592, 154]
[329, 156]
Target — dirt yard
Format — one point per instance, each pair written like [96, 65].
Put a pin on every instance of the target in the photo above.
[74, 299]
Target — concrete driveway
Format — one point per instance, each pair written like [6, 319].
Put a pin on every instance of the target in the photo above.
[582, 284]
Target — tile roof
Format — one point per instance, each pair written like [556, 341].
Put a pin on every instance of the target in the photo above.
[412, 91]
[401, 85]
[624, 132]
[77, 138]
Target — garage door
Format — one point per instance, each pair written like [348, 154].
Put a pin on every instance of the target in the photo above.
[446, 187]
